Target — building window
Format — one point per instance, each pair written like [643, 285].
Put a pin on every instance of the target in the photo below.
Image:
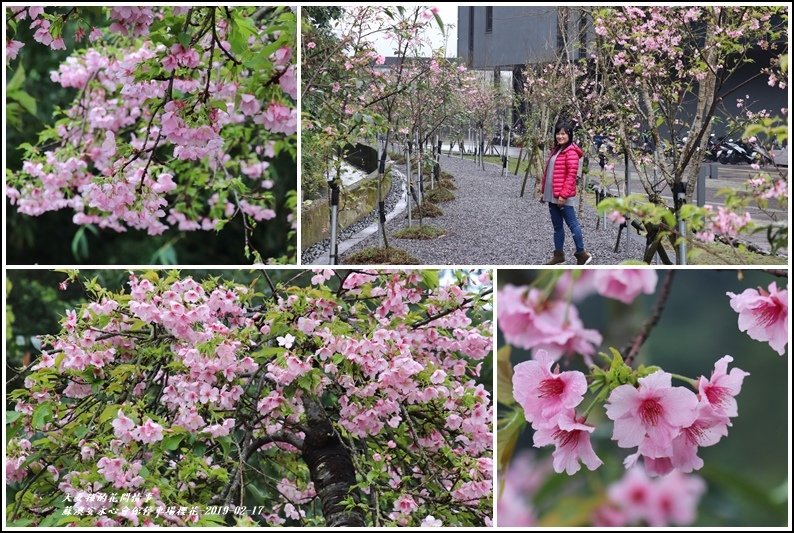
[471, 36]
[488, 19]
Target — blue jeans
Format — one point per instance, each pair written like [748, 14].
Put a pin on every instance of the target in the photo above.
[568, 214]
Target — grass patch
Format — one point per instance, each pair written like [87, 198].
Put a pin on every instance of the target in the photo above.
[439, 194]
[511, 163]
[427, 209]
[701, 253]
[397, 158]
[717, 253]
[381, 256]
[420, 232]
[446, 175]
[448, 183]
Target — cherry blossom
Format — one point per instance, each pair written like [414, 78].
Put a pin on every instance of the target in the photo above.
[196, 364]
[132, 152]
[763, 314]
[720, 390]
[571, 439]
[544, 394]
[652, 414]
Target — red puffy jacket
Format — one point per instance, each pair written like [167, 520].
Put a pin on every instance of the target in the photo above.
[565, 168]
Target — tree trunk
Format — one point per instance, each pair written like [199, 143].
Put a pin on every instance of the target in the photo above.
[518, 163]
[330, 465]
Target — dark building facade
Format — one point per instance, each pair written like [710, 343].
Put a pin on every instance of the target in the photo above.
[490, 37]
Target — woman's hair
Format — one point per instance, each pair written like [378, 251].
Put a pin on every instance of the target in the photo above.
[568, 128]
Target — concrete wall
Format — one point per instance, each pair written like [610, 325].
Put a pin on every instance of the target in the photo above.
[356, 202]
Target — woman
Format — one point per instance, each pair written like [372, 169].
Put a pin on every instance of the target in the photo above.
[559, 186]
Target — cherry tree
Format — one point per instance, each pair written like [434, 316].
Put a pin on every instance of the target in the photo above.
[350, 96]
[177, 116]
[433, 100]
[657, 58]
[544, 97]
[327, 398]
[659, 420]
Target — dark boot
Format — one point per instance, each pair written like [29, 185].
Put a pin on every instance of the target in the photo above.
[557, 258]
[583, 257]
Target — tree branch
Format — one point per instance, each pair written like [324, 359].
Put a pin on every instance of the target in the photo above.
[632, 349]
[451, 310]
[279, 436]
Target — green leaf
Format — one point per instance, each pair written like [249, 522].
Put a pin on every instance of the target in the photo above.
[236, 38]
[24, 99]
[504, 377]
[17, 81]
[12, 416]
[572, 511]
[440, 23]
[80, 242]
[109, 412]
[172, 443]
[509, 429]
[268, 353]
[430, 279]
[40, 416]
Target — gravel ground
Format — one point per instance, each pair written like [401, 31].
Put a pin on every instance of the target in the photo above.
[321, 248]
[488, 224]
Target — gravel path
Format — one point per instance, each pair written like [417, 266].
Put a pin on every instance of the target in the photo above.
[488, 224]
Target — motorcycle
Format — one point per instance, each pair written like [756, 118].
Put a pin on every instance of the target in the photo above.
[734, 152]
[759, 154]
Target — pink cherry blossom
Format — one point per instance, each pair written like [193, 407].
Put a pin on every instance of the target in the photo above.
[289, 82]
[625, 285]
[634, 494]
[720, 390]
[571, 438]
[675, 500]
[122, 427]
[707, 429]
[544, 394]
[220, 430]
[405, 504]
[529, 320]
[651, 414]
[321, 276]
[431, 521]
[12, 48]
[249, 104]
[764, 315]
[616, 217]
[14, 471]
[148, 432]
[278, 118]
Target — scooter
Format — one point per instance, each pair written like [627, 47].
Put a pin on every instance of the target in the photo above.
[735, 153]
[760, 155]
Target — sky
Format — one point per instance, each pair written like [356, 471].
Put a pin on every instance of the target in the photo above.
[449, 14]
